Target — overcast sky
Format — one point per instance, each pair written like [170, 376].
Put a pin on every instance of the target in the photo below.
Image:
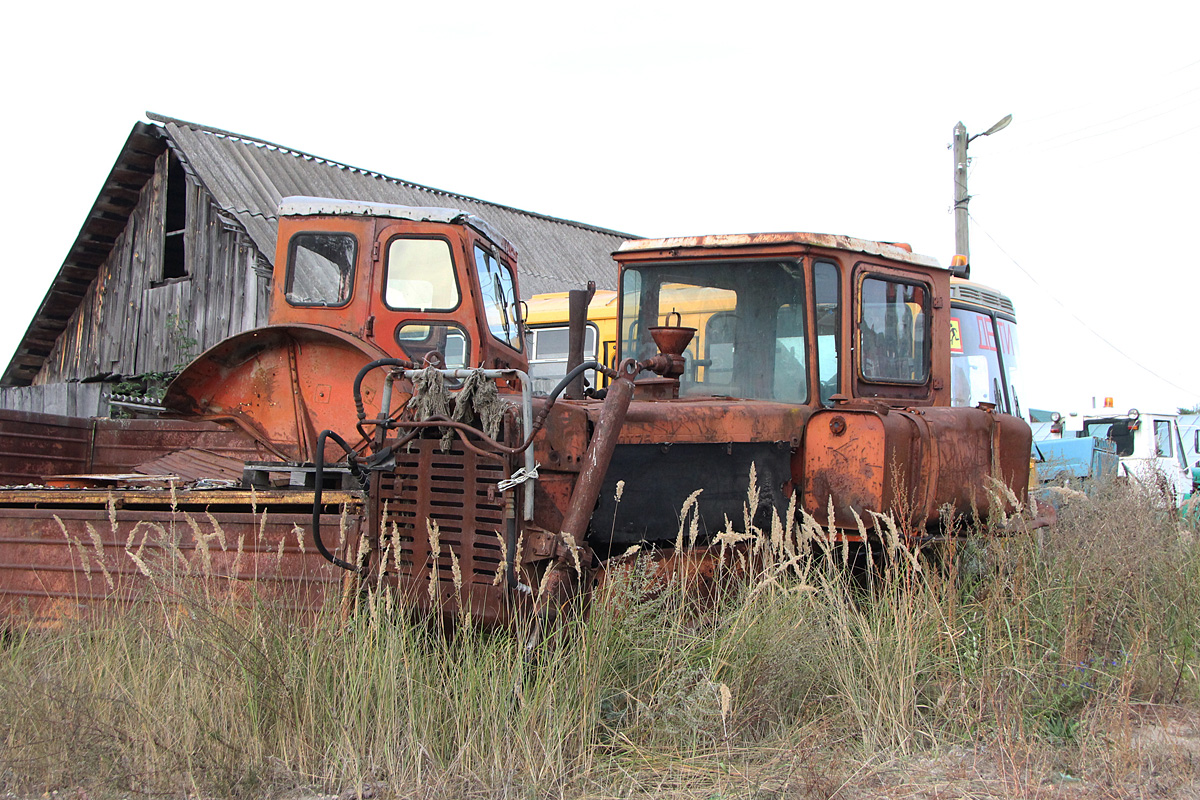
[669, 119]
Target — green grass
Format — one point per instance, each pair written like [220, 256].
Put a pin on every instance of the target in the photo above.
[1022, 642]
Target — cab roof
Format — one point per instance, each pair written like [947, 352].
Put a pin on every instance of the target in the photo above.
[895, 252]
[329, 206]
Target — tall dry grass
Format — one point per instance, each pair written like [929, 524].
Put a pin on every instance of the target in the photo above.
[804, 646]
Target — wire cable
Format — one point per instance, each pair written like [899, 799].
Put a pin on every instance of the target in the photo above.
[1075, 316]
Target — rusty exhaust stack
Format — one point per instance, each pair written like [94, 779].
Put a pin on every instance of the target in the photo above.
[578, 301]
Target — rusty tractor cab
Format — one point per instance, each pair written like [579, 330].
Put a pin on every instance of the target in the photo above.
[354, 283]
[821, 360]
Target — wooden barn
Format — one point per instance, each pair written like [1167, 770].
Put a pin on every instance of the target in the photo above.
[177, 254]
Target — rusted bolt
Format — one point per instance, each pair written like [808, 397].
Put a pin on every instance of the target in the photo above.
[837, 426]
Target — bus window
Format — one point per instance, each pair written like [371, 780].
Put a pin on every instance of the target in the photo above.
[975, 375]
[548, 352]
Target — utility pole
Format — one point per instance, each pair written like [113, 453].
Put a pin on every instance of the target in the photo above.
[962, 245]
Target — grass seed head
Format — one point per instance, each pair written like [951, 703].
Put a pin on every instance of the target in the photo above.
[98, 545]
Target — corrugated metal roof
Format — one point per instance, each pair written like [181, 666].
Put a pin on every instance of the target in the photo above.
[248, 177]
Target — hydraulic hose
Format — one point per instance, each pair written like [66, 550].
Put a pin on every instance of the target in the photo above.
[318, 480]
[362, 373]
[573, 374]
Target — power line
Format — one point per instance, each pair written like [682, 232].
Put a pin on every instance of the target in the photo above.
[1076, 317]
[1122, 127]
[1149, 144]
[1053, 142]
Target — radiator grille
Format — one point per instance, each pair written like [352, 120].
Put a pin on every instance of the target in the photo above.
[457, 491]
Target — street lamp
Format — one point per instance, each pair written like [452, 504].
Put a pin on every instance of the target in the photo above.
[962, 245]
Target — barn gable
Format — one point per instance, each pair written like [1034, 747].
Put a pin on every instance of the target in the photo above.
[176, 254]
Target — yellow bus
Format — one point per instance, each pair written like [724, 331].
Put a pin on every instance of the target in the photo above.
[546, 332]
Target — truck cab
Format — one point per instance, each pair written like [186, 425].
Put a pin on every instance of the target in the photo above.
[1149, 448]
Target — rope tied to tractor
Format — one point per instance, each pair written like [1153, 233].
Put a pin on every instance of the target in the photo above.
[478, 399]
[432, 399]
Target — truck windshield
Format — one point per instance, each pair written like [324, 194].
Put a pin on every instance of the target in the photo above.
[749, 320]
[1119, 430]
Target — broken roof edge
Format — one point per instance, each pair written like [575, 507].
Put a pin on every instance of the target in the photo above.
[256, 142]
[22, 374]
[832, 241]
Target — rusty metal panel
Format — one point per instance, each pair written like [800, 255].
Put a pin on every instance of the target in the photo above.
[192, 465]
[456, 491]
[32, 445]
[845, 459]
[64, 562]
[912, 463]
[976, 451]
[121, 445]
[697, 420]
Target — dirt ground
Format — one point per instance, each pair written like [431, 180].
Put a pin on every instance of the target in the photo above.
[1136, 753]
[1143, 752]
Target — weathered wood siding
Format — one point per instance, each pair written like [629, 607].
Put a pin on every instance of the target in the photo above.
[67, 399]
[132, 322]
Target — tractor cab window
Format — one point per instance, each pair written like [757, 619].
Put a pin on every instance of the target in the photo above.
[829, 326]
[320, 269]
[499, 298]
[440, 344]
[420, 275]
[893, 331]
[750, 325]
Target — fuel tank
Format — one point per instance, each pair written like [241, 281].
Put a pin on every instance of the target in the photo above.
[912, 462]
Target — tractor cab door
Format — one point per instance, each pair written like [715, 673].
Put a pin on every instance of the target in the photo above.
[897, 344]
[444, 295]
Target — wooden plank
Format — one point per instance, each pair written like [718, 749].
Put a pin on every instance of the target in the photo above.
[183, 498]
